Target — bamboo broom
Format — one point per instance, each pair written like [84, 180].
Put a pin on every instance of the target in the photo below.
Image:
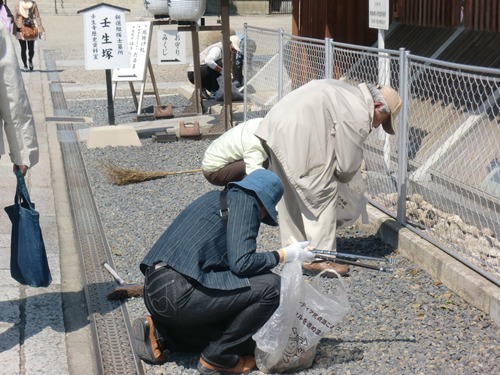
[123, 176]
[126, 291]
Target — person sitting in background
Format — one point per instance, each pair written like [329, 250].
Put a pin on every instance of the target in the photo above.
[211, 66]
[248, 47]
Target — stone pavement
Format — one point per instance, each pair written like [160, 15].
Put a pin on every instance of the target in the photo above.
[31, 320]
[34, 330]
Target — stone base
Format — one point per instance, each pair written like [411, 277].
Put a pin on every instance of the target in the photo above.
[114, 136]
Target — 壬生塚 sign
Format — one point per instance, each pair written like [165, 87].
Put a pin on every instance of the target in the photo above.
[105, 37]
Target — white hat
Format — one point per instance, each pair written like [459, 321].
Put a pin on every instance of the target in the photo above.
[235, 41]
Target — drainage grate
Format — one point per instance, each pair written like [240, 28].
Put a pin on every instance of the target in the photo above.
[64, 136]
[56, 91]
[111, 324]
[109, 319]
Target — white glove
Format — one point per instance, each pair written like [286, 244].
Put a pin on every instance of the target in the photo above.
[296, 251]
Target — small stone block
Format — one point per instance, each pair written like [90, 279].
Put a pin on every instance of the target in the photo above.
[114, 135]
[189, 129]
[145, 117]
[164, 111]
[164, 137]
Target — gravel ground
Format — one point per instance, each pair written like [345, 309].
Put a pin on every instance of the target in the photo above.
[400, 323]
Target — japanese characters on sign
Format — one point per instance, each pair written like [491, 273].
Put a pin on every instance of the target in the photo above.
[105, 39]
[171, 47]
[139, 42]
[378, 14]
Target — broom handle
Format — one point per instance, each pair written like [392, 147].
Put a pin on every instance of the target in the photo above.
[184, 172]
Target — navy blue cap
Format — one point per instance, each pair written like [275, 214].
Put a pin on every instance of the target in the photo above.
[268, 188]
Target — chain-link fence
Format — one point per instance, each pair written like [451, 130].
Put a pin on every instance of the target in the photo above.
[440, 174]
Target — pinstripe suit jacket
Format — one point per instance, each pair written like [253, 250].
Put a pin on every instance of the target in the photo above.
[197, 245]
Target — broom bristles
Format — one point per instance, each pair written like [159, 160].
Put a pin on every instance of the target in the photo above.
[123, 176]
[126, 291]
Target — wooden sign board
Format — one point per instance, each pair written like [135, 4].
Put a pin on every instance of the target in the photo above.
[171, 47]
[139, 43]
[105, 38]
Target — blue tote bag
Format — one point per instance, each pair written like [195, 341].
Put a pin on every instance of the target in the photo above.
[28, 259]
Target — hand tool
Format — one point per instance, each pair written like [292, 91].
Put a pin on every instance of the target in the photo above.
[353, 263]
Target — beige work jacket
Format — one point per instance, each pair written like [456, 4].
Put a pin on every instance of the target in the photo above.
[317, 133]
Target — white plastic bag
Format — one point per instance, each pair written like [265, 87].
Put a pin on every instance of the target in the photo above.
[351, 201]
[235, 93]
[288, 340]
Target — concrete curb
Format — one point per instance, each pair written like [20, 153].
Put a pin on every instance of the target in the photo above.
[466, 283]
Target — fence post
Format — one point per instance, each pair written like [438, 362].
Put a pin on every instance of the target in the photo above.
[402, 157]
[328, 58]
[280, 65]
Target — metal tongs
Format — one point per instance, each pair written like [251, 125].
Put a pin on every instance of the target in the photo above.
[353, 259]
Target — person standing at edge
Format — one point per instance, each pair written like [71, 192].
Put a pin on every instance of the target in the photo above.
[314, 137]
[27, 11]
[16, 116]
[206, 287]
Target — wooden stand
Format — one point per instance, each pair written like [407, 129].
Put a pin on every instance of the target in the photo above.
[138, 103]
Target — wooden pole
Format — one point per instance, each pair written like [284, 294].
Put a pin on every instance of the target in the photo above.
[111, 108]
[228, 99]
[197, 72]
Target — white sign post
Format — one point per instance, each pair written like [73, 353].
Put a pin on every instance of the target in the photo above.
[139, 36]
[105, 40]
[378, 18]
[105, 43]
[139, 41]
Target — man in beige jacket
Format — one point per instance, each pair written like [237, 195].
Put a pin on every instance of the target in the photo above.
[15, 110]
[314, 138]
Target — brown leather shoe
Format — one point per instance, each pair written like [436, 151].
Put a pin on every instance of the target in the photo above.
[145, 343]
[244, 366]
[313, 268]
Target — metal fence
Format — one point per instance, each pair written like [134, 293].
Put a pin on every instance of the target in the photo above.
[440, 174]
